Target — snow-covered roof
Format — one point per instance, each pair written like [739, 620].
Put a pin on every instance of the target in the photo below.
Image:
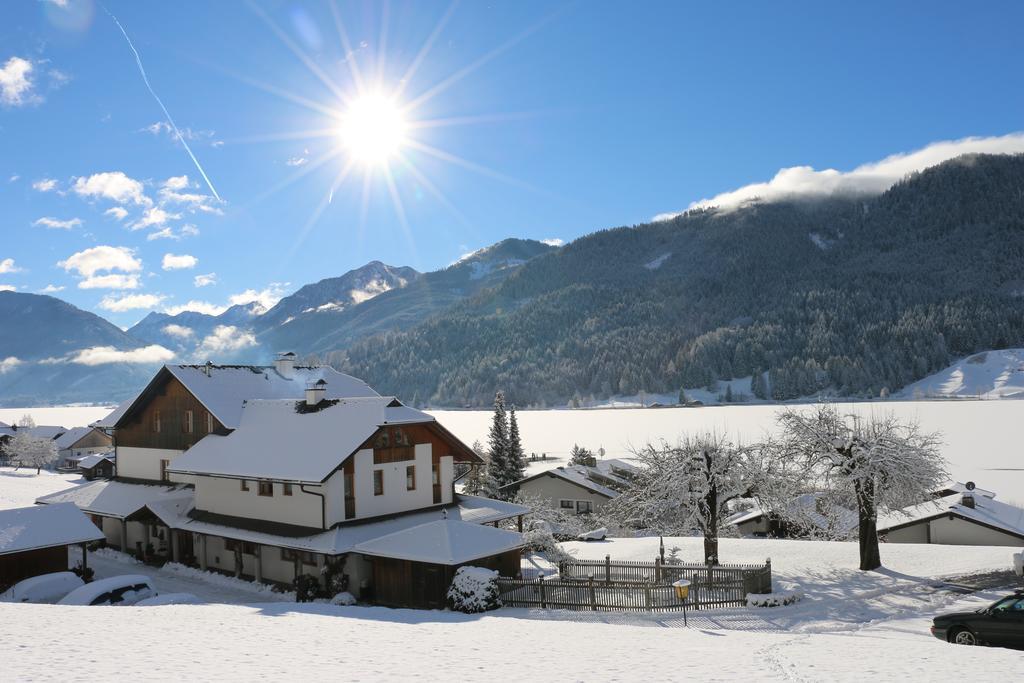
[71, 437]
[444, 541]
[44, 526]
[114, 415]
[6, 429]
[960, 487]
[803, 509]
[274, 440]
[992, 513]
[576, 474]
[44, 431]
[115, 498]
[91, 460]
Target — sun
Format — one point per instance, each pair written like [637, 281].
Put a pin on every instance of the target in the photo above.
[372, 129]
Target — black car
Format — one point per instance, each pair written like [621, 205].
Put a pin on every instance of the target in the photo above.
[1001, 623]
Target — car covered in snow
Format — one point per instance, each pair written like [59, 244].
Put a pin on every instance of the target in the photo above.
[1001, 623]
[171, 599]
[45, 588]
[117, 590]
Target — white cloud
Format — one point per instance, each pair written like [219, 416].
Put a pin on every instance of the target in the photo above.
[179, 331]
[90, 263]
[154, 215]
[297, 161]
[51, 222]
[51, 289]
[8, 288]
[196, 307]
[168, 233]
[178, 182]
[266, 297]
[45, 185]
[13, 178]
[553, 241]
[203, 280]
[117, 212]
[8, 364]
[110, 281]
[7, 266]
[102, 355]
[872, 178]
[113, 185]
[179, 262]
[130, 302]
[164, 128]
[226, 338]
[16, 85]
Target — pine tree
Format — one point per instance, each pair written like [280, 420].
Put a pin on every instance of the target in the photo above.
[516, 457]
[498, 449]
[682, 397]
[728, 393]
[473, 484]
[581, 456]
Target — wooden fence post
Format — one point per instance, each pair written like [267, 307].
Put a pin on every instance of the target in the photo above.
[543, 600]
[647, 595]
[657, 569]
[593, 595]
[767, 583]
[607, 569]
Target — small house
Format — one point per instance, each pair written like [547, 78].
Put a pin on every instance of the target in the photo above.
[961, 518]
[36, 540]
[808, 514]
[78, 442]
[581, 489]
[97, 466]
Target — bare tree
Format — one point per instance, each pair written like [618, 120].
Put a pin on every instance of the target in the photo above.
[686, 487]
[865, 462]
[31, 450]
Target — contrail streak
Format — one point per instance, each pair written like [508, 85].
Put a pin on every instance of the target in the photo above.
[145, 79]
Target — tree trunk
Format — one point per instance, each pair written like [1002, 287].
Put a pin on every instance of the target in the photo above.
[711, 528]
[867, 533]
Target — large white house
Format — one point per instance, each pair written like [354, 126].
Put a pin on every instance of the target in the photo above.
[965, 515]
[272, 472]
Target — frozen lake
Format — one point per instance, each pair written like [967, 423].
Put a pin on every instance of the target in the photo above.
[984, 440]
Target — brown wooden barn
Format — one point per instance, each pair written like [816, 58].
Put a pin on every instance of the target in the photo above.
[36, 540]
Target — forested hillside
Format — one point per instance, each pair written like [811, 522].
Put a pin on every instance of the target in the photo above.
[853, 295]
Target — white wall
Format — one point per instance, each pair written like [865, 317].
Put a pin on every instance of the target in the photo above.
[956, 531]
[226, 497]
[396, 498]
[554, 489]
[144, 463]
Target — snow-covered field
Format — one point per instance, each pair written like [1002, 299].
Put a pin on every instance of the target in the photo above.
[990, 374]
[65, 416]
[982, 438]
[21, 487]
[248, 632]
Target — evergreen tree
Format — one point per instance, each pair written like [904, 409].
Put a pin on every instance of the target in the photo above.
[728, 393]
[498, 449]
[682, 396]
[581, 456]
[473, 484]
[516, 457]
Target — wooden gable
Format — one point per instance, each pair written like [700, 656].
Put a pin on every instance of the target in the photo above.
[395, 443]
[166, 415]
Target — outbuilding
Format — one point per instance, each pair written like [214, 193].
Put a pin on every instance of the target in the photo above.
[966, 518]
[36, 540]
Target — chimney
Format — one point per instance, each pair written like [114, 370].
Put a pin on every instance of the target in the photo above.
[315, 392]
[285, 364]
[968, 498]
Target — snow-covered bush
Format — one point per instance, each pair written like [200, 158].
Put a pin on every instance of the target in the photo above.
[344, 598]
[541, 540]
[777, 599]
[474, 589]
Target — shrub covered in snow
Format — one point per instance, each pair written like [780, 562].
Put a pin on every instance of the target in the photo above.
[541, 540]
[344, 598]
[777, 599]
[474, 589]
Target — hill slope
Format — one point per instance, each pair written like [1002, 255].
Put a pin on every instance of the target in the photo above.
[46, 338]
[845, 295]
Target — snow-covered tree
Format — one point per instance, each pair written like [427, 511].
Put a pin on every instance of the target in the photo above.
[581, 456]
[685, 487]
[516, 465]
[31, 451]
[474, 481]
[866, 463]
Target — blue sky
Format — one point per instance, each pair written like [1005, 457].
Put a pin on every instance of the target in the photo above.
[559, 119]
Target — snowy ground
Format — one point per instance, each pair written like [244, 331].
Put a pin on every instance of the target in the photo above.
[990, 374]
[253, 633]
[66, 416]
[21, 487]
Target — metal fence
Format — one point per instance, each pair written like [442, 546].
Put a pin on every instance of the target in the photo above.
[638, 586]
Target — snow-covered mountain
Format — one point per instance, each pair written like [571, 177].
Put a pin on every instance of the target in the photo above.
[989, 374]
[185, 332]
[51, 351]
